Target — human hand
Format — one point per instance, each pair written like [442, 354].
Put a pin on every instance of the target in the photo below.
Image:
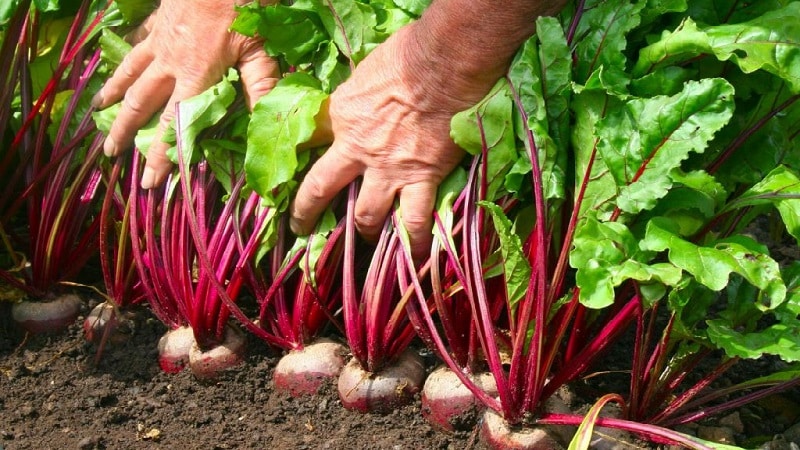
[184, 48]
[391, 125]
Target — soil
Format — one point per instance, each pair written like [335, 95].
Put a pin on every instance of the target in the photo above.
[54, 396]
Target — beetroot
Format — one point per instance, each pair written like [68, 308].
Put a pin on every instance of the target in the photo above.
[105, 321]
[46, 316]
[209, 364]
[381, 392]
[447, 404]
[173, 349]
[303, 372]
[499, 435]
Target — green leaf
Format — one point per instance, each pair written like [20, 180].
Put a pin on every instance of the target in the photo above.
[643, 142]
[50, 43]
[351, 24]
[7, 9]
[555, 57]
[281, 120]
[781, 340]
[113, 47]
[761, 133]
[135, 11]
[413, 6]
[656, 9]
[314, 244]
[495, 112]
[663, 81]
[516, 267]
[780, 188]
[46, 5]
[199, 113]
[601, 37]
[540, 76]
[390, 18]
[605, 254]
[446, 195]
[588, 108]
[770, 42]
[290, 32]
[712, 264]
[328, 69]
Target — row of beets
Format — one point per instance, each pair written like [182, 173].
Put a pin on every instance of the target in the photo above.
[180, 249]
[209, 257]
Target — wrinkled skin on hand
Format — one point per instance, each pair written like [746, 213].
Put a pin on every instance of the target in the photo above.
[180, 51]
[391, 126]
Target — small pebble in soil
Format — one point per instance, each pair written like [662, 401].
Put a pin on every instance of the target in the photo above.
[89, 443]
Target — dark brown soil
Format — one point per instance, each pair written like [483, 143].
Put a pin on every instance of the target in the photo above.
[52, 396]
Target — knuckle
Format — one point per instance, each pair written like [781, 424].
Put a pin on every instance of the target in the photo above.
[126, 67]
[133, 103]
[313, 190]
[368, 223]
[262, 84]
[166, 117]
[417, 222]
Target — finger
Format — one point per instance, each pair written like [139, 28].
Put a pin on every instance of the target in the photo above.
[259, 73]
[141, 102]
[129, 70]
[324, 180]
[375, 200]
[416, 209]
[141, 32]
[158, 166]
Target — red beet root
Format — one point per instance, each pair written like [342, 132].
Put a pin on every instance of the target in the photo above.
[47, 316]
[303, 372]
[173, 349]
[104, 320]
[449, 405]
[209, 364]
[384, 391]
[499, 435]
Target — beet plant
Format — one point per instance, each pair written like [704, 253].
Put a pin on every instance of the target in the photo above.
[194, 237]
[313, 41]
[640, 177]
[110, 320]
[298, 301]
[51, 194]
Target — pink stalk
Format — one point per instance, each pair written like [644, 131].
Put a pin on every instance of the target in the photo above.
[770, 388]
[123, 286]
[652, 433]
[376, 324]
[61, 177]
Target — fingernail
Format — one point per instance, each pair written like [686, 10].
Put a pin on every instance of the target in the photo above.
[97, 100]
[110, 147]
[148, 178]
[297, 229]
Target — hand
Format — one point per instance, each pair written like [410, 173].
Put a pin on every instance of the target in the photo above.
[391, 125]
[184, 48]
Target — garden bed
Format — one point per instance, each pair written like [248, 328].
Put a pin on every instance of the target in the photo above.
[55, 397]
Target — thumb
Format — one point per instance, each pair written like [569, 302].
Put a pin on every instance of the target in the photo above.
[259, 72]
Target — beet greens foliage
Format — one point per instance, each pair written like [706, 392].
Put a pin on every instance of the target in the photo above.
[618, 175]
[627, 173]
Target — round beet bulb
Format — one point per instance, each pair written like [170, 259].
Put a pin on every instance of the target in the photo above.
[47, 316]
[303, 372]
[381, 392]
[447, 404]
